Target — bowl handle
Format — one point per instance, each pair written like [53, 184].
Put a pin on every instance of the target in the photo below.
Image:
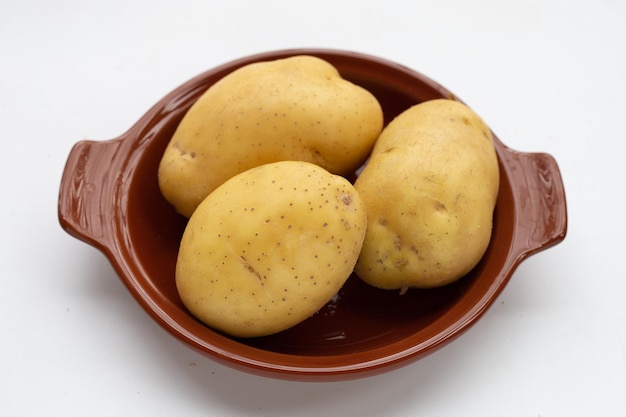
[537, 187]
[88, 187]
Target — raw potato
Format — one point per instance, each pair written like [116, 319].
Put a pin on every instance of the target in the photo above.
[297, 108]
[269, 248]
[429, 190]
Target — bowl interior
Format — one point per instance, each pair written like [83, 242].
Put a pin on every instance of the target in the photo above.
[360, 320]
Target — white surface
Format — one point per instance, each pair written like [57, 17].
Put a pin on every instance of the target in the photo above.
[545, 75]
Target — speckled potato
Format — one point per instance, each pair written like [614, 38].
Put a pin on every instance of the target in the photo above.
[429, 190]
[297, 108]
[269, 247]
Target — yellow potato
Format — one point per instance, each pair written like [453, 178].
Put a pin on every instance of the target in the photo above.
[297, 108]
[269, 247]
[429, 190]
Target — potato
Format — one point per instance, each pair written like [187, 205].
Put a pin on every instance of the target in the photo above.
[269, 247]
[297, 108]
[429, 190]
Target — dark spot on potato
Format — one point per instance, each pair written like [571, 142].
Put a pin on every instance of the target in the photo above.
[251, 269]
[400, 263]
[439, 206]
[397, 242]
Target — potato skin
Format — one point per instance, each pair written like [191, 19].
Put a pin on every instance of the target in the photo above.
[429, 189]
[269, 247]
[296, 108]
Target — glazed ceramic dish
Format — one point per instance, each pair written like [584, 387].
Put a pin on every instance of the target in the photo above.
[109, 198]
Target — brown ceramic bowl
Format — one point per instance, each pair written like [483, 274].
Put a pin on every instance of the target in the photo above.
[109, 198]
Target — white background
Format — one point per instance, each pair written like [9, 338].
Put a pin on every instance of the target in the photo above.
[546, 76]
